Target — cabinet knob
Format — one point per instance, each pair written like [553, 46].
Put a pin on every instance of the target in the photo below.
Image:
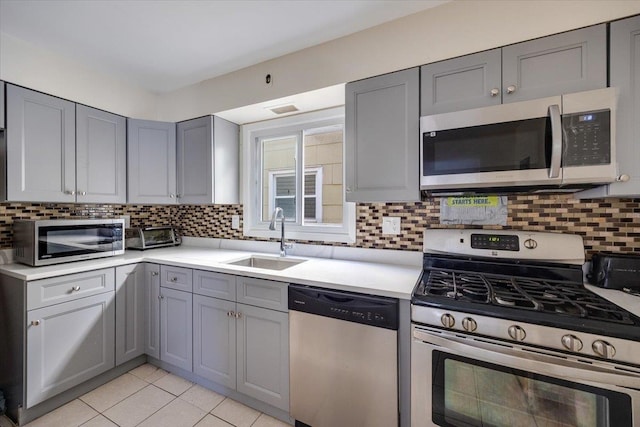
[348, 189]
[623, 178]
[154, 273]
[75, 289]
[230, 313]
[172, 195]
[173, 279]
[495, 92]
[161, 296]
[511, 89]
[35, 323]
[82, 193]
[178, 196]
[70, 193]
[238, 315]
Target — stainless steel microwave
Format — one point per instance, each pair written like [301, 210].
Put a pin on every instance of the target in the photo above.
[46, 242]
[554, 143]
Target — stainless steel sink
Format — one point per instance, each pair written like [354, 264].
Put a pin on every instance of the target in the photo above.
[269, 263]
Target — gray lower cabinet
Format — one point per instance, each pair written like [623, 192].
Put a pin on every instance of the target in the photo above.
[263, 355]
[83, 325]
[624, 71]
[214, 340]
[176, 332]
[562, 63]
[243, 346]
[152, 310]
[151, 162]
[130, 312]
[208, 163]
[41, 147]
[101, 156]
[381, 138]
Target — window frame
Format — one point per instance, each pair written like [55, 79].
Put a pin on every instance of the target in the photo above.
[252, 135]
[316, 171]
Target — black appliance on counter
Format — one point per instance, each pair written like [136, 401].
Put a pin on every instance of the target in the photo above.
[615, 271]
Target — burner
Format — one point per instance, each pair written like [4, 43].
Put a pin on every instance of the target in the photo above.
[505, 302]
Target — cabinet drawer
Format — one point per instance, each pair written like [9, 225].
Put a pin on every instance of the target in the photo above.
[215, 285]
[41, 293]
[178, 278]
[262, 293]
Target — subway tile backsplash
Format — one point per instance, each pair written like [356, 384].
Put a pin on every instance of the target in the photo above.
[604, 224]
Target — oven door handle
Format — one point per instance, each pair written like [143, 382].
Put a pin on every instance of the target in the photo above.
[556, 141]
[542, 364]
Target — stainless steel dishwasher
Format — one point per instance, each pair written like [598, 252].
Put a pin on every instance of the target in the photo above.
[343, 358]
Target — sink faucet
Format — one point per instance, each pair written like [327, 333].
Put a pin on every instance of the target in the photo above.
[272, 226]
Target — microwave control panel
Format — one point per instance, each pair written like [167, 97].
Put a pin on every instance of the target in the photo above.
[587, 138]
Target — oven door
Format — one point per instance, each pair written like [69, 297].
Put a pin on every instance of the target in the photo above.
[517, 144]
[461, 380]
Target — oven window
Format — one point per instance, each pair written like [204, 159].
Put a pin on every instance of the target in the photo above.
[472, 393]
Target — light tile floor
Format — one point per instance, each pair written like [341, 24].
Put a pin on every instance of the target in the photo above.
[150, 397]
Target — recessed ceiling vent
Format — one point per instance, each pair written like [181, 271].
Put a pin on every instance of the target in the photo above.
[282, 109]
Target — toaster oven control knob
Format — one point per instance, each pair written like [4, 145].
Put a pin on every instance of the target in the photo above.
[603, 349]
[469, 324]
[448, 320]
[517, 333]
[572, 342]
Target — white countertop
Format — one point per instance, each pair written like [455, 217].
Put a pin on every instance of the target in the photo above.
[377, 278]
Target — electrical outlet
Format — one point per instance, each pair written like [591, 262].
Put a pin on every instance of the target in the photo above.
[235, 222]
[390, 225]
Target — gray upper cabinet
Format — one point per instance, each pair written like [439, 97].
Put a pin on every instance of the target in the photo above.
[41, 147]
[151, 167]
[130, 324]
[563, 63]
[1, 105]
[101, 156]
[381, 144]
[470, 81]
[208, 163]
[624, 71]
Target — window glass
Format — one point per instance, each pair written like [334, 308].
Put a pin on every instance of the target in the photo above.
[279, 169]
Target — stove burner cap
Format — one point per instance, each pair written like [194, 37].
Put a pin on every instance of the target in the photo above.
[454, 294]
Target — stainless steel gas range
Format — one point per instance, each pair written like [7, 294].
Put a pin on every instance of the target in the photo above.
[505, 334]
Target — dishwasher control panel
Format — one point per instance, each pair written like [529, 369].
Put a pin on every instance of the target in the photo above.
[349, 306]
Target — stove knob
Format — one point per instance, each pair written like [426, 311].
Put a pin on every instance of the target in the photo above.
[469, 324]
[517, 333]
[448, 320]
[603, 349]
[572, 342]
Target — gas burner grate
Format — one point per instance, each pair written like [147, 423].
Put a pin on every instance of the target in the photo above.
[546, 296]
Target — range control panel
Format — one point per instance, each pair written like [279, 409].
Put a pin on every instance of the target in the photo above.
[587, 138]
[502, 242]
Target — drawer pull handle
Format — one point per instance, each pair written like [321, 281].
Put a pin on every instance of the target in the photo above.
[75, 289]
[35, 323]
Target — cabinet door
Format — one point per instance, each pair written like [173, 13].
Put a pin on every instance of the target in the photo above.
[195, 161]
[68, 344]
[569, 62]
[101, 156]
[214, 340]
[151, 167]
[41, 147]
[176, 332]
[130, 294]
[152, 310]
[263, 355]
[470, 81]
[381, 126]
[226, 162]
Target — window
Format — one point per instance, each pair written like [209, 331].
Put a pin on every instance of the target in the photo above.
[296, 163]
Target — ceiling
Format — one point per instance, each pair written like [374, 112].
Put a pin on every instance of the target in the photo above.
[163, 45]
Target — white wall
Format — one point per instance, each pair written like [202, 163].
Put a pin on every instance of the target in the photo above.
[453, 29]
[27, 65]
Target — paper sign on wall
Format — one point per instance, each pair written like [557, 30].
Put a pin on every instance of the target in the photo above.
[476, 210]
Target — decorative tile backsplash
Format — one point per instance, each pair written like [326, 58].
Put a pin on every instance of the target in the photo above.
[605, 224]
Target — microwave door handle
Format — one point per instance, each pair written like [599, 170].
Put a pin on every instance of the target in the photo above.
[556, 141]
[539, 363]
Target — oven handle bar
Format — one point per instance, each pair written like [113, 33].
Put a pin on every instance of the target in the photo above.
[499, 356]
